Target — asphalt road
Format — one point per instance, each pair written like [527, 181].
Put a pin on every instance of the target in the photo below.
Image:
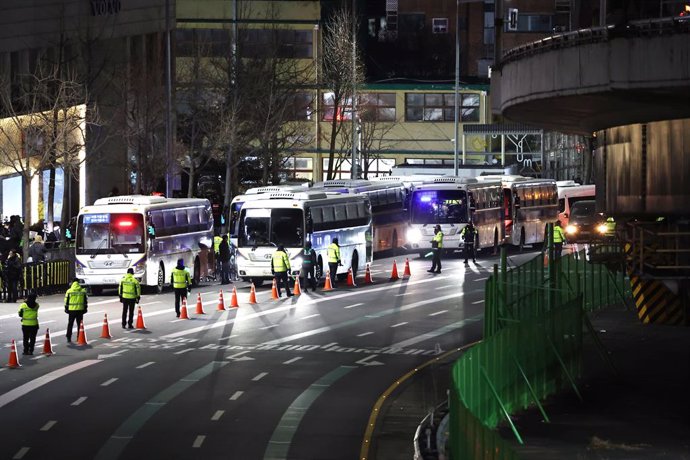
[281, 379]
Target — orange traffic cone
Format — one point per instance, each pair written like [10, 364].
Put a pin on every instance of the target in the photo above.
[47, 344]
[546, 259]
[233, 299]
[105, 332]
[296, 290]
[252, 294]
[221, 301]
[183, 311]
[274, 290]
[406, 272]
[394, 272]
[140, 319]
[81, 337]
[199, 305]
[350, 278]
[327, 284]
[367, 276]
[14, 359]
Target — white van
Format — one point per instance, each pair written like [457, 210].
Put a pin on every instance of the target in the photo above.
[570, 192]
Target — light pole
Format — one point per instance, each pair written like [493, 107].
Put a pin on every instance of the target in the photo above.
[353, 171]
[457, 85]
[168, 107]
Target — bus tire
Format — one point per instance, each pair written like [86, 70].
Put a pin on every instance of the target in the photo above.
[160, 283]
[197, 272]
[522, 240]
[258, 282]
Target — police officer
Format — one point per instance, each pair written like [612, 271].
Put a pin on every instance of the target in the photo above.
[224, 259]
[558, 239]
[181, 282]
[309, 265]
[334, 259]
[130, 293]
[28, 312]
[280, 267]
[76, 304]
[468, 235]
[436, 248]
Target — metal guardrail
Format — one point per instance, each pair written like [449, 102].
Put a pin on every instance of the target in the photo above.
[43, 278]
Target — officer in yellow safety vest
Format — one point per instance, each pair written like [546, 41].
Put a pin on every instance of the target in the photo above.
[334, 259]
[130, 293]
[436, 247]
[558, 239]
[280, 267]
[181, 282]
[76, 305]
[28, 312]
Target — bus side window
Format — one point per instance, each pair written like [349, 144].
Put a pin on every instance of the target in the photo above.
[561, 205]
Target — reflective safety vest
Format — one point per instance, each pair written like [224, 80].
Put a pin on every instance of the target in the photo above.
[558, 235]
[468, 235]
[216, 243]
[29, 315]
[75, 297]
[333, 253]
[130, 287]
[280, 261]
[181, 278]
[438, 237]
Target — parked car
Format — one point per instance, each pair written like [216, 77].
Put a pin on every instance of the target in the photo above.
[587, 225]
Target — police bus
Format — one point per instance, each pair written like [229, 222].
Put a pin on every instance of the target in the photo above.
[388, 202]
[146, 233]
[290, 219]
[451, 202]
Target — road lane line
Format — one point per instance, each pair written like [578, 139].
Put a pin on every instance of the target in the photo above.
[271, 326]
[108, 382]
[146, 364]
[48, 425]
[353, 305]
[399, 324]
[438, 313]
[260, 376]
[198, 441]
[431, 334]
[236, 395]
[21, 453]
[477, 302]
[79, 401]
[290, 361]
[482, 279]
[181, 352]
[364, 334]
[310, 316]
[38, 382]
[217, 415]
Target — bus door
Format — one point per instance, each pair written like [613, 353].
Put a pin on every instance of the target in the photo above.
[508, 212]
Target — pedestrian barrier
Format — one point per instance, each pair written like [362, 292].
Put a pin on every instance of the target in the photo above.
[43, 278]
[13, 362]
[48, 344]
[81, 337]
[105, 331]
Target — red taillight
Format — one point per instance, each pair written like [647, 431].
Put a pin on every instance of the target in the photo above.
[125, 223]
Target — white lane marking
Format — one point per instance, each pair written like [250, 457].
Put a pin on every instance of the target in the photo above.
[21, 390]
[79, 401]
[399, 324]
[310, 316]
[38, 357]
[48, 425]
[290, 361]
[482, 279]
[21, 453]
[478, 301]
[364, 334]
[46, 322]
[373, 272]
[181, 352]
[236, 395]
[440, 331]
[401, 295]
[217, 415]
[146, 364]
[260, 376]
[269, 327]
[149, 303]
[198, 441]
[108, 382]
[438, 313]
[448, 286]
[354, 305]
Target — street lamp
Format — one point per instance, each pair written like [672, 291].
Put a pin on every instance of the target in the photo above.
[457, 85]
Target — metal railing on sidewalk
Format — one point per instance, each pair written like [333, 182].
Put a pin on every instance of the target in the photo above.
[43, 278]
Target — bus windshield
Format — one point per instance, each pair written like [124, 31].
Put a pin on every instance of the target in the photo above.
[438, 207]
[110, 233]
[271, 227]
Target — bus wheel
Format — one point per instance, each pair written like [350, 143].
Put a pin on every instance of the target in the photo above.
[522, 240]
[257, 282]
[197, 272]
[355, 264]
[161, 279]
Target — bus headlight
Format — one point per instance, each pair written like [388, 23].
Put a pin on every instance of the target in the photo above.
[140, 267]
[571, 229]
[414, 235]
[602, 228]
[79, 269]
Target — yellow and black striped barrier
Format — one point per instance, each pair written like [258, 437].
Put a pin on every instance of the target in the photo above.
[43, 278]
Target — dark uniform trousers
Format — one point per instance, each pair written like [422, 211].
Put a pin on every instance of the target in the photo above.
[310, 276]
[282, 278]
[72, 316]
[128, 310]
[29, 333]
[180, 293]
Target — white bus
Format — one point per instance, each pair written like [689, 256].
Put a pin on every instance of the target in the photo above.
[451, 202]
[146, 233]
[290, 219]
[388, 208]
[569, 193]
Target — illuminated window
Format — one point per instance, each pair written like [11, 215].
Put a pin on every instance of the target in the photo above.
[441, 107]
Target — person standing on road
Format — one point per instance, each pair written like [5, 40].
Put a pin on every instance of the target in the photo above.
[558, 239]
[76, 305]
[309, 265]
[130, 293]
[280, 267]
[181, 282]
[468, 235]
[436, 248]
[13, 273]
[28, 312]
[334, 259]
[224, 259]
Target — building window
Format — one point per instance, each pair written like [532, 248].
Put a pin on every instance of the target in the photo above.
[12, 196]
[370, 107]
[439, 25]
[441, 107]
[297, 168]
[534, 23]
[300, 107]
[430, 161]
[202, 42]
[376, 167]
[280, 43]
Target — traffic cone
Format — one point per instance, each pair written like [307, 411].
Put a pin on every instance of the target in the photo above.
[183, 311]
[546, 259]
[252, 294]
[327, 284]
[199, 305]
[233, 299]
[296, 290]
[274, 290]
[394, 272]
[140, 319]
[105, 332]
[81, 337]
[47, 344]
[221, 301]
[367, 276]
[14, 359]
[406, 273]
[350, 278]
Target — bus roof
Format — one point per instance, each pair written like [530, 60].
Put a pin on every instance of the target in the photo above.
[356, 186]
[278, 199]
[575, 190]
[127, 201]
